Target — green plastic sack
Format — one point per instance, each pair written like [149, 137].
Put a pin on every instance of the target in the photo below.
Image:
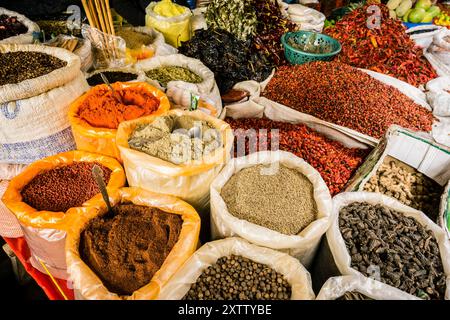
[175, 29]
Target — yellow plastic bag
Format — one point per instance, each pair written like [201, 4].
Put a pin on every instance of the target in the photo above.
[86, 283]
[45, 231]
[103, 140]
[176, 29]
[189, 181]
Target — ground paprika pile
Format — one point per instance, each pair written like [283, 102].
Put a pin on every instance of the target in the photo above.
[335, 162]
[102, 109]
[386, 49]
[346, 96]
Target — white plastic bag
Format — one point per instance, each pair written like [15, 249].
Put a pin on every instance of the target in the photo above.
[25, 38]
[33, 113]
[438, 96]
[296, 275]
[207, 90]
[301, 246]
[338, 248]
[336, 287]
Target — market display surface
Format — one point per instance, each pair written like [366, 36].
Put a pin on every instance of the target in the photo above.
[122, 148]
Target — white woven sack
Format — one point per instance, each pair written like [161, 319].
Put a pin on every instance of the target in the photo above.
[47, 246]
[33, 113]
[9, 225]
[295, 274]
[9, 171]
[338, 248]
[302, 246]
[207, 89]
[25, 38]
[336, 287]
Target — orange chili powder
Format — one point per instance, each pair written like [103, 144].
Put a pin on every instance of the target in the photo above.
[102, 110]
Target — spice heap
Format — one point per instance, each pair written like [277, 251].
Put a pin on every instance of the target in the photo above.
[230, 59]
[343, 95]
[238, 278]
[277, 197]
[173, 73]
[176, 139]
[10, 27]
[135, 39]
[353, 295]
[402, 182]
[271, 26]
[102, 109]
[387, 49]
[112, 76]
[406, 253]
[334, 162]
[125, 249]
[63, 188]
[18, 66]
[235, 16]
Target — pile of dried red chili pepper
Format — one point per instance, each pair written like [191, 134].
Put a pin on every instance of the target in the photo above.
[335, 162]
[387, 49]
[271, 26]
[346, 96]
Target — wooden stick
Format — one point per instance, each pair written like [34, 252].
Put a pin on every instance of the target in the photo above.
[103, 17]
[111, 23]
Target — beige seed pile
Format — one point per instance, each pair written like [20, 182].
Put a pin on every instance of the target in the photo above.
[283, 202]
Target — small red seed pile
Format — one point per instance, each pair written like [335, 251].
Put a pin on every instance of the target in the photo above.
[340, 94]
[63, 188]
[335, 163]
[387, 49]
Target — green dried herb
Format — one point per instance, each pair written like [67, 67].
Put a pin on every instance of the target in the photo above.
[173, 73]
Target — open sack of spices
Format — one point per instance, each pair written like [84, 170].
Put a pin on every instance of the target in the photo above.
[177, 153]
[37, 85]
[115, 75]
[183, 78]
[144, 43]
[272, 199]
[359, 288]
[328, 91]
[270, 126]
[410, 168]
[234, 269]
[376, 236]
[131, 252]
[44, 195]
[95, 116]
[16, 28]
[171, 19]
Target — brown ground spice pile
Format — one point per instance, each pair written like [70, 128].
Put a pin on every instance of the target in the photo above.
[127, 248]
[62, 188]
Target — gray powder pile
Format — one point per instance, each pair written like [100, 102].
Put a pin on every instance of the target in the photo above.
[168, 138]
[283, 202]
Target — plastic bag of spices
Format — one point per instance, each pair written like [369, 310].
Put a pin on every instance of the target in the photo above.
[357, 288]
[206, 89]
[292, 270]
[189, 180]
[103, 140]
[303, 245]
[33, 111]
[23, 38]
[89, 286]
[343, 259]
[175, 26]
[45, 231]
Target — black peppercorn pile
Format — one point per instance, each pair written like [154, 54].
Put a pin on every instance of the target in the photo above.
[405, 252]
[230, 59]
[23, 65]
[112, 76]
[239, 278]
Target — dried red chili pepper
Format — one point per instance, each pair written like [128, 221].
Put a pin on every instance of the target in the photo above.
[346, 96]
[335, 162]
[395, 53]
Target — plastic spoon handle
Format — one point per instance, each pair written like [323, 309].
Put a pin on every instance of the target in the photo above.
[98, 176]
